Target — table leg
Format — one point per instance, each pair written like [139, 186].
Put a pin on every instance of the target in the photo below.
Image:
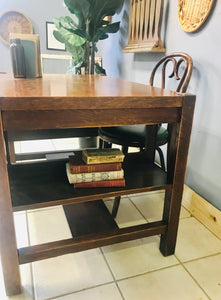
[8, 247]
[150, 143]
[177, 156]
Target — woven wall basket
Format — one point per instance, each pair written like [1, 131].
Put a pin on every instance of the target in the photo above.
[193, 13]
[14, 21]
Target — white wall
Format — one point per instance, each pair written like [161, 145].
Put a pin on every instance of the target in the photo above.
[204, 163]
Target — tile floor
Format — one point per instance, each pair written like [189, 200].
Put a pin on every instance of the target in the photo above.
[129, 270]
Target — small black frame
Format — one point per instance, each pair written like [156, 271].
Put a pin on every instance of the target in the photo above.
[51, 42]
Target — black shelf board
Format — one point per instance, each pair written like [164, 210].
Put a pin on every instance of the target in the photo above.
[89, 217]
[42, 184]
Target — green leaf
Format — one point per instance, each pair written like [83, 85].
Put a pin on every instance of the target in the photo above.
[110, 28]
[102, 32]
[79, 32]
[69, 36]
[99, 69]
[78, 7]
[102, 8]
[104, 22]
[59, 37]
[101, 36]
[77, 54]
[57, 22]
[68, 22]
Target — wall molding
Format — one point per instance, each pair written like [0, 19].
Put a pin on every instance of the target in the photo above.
[202, 210]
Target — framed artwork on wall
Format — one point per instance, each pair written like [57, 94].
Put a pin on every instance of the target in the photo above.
[51, 42]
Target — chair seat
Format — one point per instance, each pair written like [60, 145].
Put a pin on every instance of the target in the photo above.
[131, 136]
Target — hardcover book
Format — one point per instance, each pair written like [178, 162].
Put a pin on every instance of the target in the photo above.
[77, 165]
[97, 156]
[31, 44]
[102, 183]
[94, 176]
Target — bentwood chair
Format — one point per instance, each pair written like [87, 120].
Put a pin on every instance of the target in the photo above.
[134, 136]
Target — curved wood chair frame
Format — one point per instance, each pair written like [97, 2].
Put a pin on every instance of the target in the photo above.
[178, 59]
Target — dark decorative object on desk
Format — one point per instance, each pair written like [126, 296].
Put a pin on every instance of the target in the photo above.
[81, 37]
[25, 52]
[18, 58]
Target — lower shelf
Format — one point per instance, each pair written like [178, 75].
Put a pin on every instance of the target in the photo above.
[89, 217]
[92, 226]
[35, 185]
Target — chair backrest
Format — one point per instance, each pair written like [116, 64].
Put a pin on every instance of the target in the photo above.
[177, 59]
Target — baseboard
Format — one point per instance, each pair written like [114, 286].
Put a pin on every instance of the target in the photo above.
[202, 210]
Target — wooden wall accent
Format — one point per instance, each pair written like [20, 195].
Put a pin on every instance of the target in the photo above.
[202, 210]
[144, 26]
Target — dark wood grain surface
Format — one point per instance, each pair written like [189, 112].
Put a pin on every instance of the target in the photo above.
[54, 92]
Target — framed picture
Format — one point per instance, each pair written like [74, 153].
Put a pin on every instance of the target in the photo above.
[51, 42]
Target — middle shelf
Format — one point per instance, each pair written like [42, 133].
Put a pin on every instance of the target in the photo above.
[41, 184]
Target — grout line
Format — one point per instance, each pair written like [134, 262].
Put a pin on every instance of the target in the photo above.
[78, 291]
[193, 278]
[108, 265]
[148, 272]
[53, 144]
[192, 216]
[207, 228]
[199, 258]
[138, 210]
[31, 264]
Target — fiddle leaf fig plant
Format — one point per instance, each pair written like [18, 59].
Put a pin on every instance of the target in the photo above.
[81, 34]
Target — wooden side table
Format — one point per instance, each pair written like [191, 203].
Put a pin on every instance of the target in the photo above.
[66, 101]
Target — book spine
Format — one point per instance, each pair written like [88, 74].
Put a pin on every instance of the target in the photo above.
[95, 176]
[102, 183]
[102, 159]
[95, 168]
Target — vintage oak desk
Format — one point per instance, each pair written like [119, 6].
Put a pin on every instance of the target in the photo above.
[65, 101]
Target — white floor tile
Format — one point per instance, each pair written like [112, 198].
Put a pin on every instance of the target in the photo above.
[66, 144]
[127, 214]
[105, 292]
[195, 241]
[69, 273]
[21, 229]
[207, 272]
[184, 213]
[17, 146]
[36, 146]
[151, 206]
[48, 225]
[172, 284]
[27, 285]
[136, 257]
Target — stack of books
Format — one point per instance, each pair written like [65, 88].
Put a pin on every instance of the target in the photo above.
[96, 168]
[32, 56]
